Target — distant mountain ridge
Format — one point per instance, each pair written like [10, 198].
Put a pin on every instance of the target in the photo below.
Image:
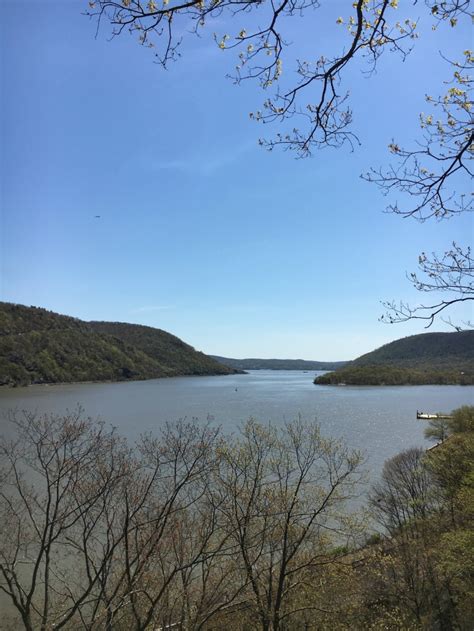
[427, 358]
[40, 346]
[277, 364]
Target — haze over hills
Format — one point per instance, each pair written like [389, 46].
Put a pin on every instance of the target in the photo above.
[427, 358]
[39, 346]
[277, 364]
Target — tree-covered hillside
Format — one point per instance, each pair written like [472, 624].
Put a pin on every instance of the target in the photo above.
[428, 358]
[163, 347]
[39, 346]
[277, 364]
[439, 348]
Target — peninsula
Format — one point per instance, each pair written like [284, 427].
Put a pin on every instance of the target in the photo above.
[428, 358]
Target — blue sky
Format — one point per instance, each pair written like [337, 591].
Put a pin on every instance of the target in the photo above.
[238, 251]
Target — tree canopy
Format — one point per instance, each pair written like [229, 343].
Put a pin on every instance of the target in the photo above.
[427, 358]
[39, 346]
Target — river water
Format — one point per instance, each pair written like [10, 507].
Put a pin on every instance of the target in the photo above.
[380, 420]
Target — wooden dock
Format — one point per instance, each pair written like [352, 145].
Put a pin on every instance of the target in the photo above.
[427, 416]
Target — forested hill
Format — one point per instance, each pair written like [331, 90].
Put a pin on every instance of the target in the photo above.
[277, 364]
[160, 345]
[441, 348]
[39, 346]
[428, 358]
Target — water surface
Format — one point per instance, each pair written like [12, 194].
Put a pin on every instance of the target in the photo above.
[381, 420]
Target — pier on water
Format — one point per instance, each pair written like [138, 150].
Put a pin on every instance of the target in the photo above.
[428, 416]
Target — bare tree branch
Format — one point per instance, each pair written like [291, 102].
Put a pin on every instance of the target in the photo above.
[452, 274]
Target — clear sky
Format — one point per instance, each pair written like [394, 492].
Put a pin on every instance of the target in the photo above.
[238, 251]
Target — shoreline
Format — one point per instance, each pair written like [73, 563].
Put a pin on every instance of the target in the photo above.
[110, 381]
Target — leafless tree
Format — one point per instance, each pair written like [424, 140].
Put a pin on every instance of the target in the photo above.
[400, 502]
[436, 175]
[430, 172]
[56, 473]
[88, 525]
[450, 276]
[404, 493]
[282, 499]
[180, 531]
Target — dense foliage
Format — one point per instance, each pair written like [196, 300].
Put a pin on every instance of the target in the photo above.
[437, 348]
[429, 358]
[277, 364]
[396, 376]
[163, 347]
[39, 346]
